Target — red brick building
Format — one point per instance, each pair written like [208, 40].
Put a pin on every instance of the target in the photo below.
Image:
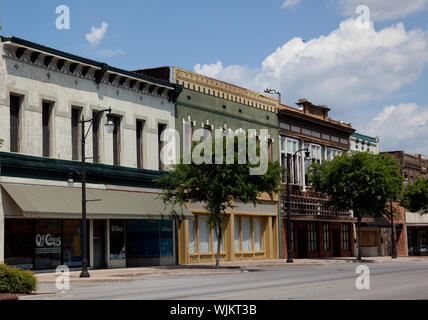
[316, 231]
[411, 228]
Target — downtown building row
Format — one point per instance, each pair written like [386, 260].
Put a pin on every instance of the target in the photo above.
[43, 94]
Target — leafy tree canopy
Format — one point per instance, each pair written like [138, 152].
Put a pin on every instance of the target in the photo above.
[415, 196]
[217, 186]
[362, 182]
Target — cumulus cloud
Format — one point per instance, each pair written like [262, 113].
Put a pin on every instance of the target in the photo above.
[347, 66]
[97, 34]
[401, 127]
[108, 53]
[382, 10]
[290, 3]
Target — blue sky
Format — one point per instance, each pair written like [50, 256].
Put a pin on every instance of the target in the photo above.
[375, 78]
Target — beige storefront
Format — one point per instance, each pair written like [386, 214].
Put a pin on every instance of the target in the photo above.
[249, 233]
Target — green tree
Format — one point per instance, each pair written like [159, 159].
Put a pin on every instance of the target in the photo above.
[362, 182]
[415, 196]
[217, 186]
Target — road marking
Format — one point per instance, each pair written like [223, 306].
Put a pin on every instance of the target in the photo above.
[325, 283]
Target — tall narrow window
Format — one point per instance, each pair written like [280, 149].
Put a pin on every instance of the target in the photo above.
[207, 131]
[140, 143]
[75, 133]
[345, 236]
[313, 236]
[187, 143]
[96, 136]
[237, 238]
[161, 128]
[215, 241]
[270, 150]
[204, 234]
[258, 234]
[246, 233]
[15, 123]
[192, 236]
[47, 109]
[326, 236]
[116, 141]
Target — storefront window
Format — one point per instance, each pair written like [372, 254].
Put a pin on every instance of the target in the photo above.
[246, 234]
[257, 226]
[192, 236]
[345, 237]
[166, 237]
[313, 236]
[204, 234]
[19, 243]
[72, 247]
[48, 244]
[215, 241]
[326, 234]
[117, 240]
[237, 240]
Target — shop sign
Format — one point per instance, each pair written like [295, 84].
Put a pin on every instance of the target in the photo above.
[115, 228]
[47, 244]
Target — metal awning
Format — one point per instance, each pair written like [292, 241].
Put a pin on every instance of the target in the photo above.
[36, 201]
[377, 222]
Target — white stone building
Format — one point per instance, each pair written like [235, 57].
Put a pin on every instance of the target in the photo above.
[43, 94]
[362, 143]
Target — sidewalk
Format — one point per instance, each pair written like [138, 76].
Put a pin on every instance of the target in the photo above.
[127, 275]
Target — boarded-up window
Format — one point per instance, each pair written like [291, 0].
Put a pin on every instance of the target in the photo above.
[368, 238]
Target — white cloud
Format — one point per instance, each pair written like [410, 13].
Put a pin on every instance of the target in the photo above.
[97, 34]
[210, 70]
[401, 127]
[347, 66]
[290, 3]
[108, 53]
[382, 10]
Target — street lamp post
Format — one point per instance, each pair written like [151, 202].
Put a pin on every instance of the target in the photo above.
[393, 244]
[289, 248]
[272, 91]
[109, 128]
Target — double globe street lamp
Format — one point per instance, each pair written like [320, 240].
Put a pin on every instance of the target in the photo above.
[109, 128]
[289, 157]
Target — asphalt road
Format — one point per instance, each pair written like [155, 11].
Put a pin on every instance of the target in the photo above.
[334, 281]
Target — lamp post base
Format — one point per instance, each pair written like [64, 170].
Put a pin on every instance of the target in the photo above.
[85, 274]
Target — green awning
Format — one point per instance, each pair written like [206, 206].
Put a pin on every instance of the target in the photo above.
[36, 201]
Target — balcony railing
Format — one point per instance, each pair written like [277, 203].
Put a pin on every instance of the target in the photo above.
[309, 203]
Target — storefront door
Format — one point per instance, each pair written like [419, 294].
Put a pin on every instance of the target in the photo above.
[302, 243]
[99, 244]
[336, 242]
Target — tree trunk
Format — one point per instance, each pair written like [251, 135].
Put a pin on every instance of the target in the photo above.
[359, 236]
[219, 228]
